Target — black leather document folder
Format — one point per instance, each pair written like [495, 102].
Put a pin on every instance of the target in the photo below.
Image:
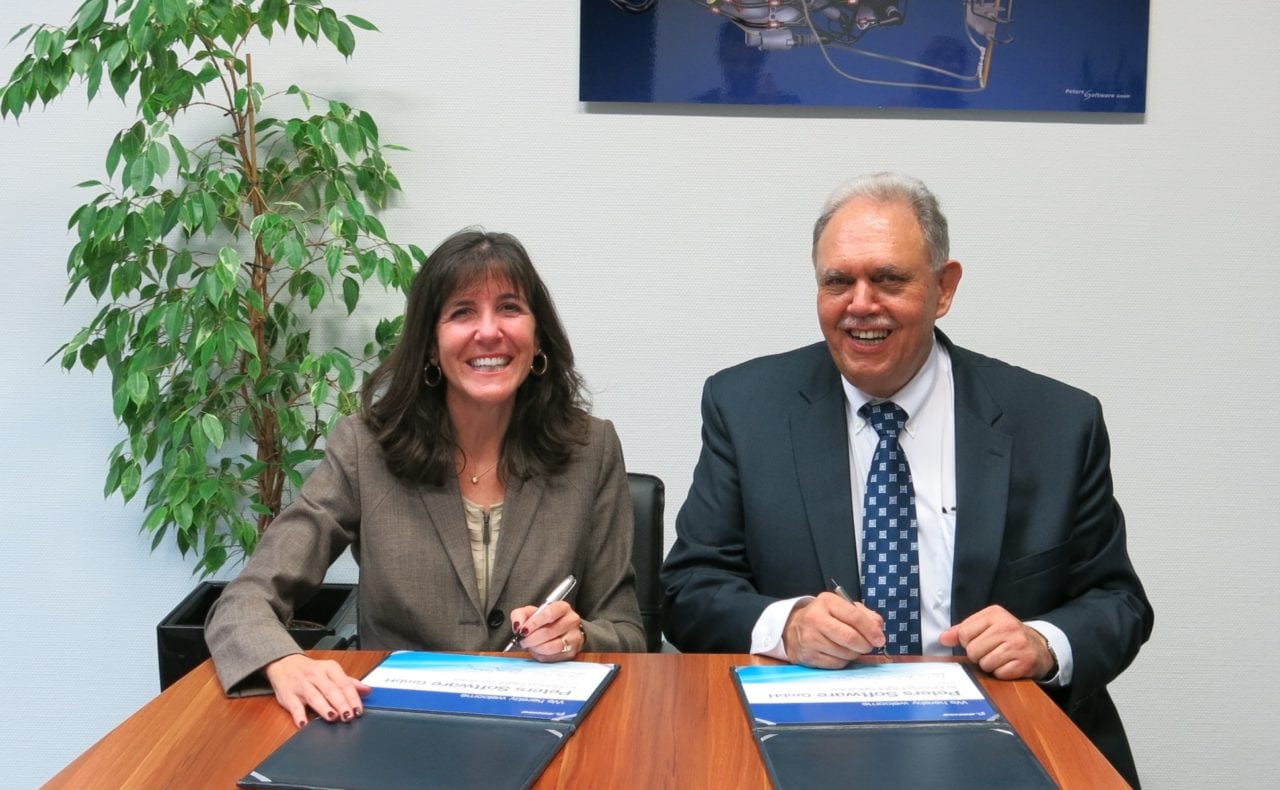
[442, 721]
[391, 749]
[954, 756]
[916, 726]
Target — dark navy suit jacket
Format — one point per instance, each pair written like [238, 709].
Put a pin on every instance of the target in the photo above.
[769, 516]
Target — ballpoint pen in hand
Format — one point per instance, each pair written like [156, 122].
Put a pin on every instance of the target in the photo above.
[562, 589]
[838, 590]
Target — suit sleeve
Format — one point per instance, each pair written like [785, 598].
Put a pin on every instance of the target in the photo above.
[1105, 614]
[607, 600]
[245, 629]
[711, 602]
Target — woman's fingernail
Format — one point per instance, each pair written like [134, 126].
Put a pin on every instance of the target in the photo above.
[524, 632]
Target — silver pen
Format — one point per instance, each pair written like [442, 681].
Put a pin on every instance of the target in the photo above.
[558, 594]
[838, 590]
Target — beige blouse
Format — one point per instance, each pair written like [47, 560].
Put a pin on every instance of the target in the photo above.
[483, 525]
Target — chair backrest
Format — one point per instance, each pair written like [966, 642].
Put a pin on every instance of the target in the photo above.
[647, 497]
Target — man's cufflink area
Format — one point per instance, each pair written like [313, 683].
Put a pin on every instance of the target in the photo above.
[1053, 658]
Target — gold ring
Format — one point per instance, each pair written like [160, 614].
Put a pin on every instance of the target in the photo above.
[566, 647]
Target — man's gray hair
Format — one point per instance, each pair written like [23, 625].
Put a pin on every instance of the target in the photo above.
[893, 188]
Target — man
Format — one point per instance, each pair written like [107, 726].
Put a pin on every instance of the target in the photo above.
[1003, 541]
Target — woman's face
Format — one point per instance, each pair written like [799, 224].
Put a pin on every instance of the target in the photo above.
[485, 342]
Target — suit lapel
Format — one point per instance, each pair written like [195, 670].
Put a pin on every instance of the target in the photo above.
[820, 438]
[983, 462]
[984, 455]
[449, 523]
[518, 509]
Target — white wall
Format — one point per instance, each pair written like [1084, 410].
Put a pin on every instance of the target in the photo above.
[1131, 257]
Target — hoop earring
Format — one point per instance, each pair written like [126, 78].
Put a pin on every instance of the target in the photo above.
[533, 366]
[432, 374]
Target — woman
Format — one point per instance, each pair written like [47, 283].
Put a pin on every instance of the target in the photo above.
[473, 482]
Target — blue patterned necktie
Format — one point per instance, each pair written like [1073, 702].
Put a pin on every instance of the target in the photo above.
[890, 546]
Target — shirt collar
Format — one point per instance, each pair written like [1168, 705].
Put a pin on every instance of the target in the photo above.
[911, 398]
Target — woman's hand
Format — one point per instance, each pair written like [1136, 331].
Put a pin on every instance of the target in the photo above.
[300, 683]
[554, 634]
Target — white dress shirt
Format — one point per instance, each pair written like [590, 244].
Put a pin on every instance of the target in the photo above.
[929, 442]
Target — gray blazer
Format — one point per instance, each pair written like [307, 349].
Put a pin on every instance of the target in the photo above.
[417, 586]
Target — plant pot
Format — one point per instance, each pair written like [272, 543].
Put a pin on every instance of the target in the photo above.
[180, 643]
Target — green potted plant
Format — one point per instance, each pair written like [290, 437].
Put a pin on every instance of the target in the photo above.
[218, 236]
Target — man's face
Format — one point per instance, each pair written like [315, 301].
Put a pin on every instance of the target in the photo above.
[878, 297]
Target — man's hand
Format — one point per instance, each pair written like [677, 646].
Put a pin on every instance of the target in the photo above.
[300, 683]
[828, 632]
[1001, 645]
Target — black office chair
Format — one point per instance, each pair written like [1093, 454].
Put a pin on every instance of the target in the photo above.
[647, 497]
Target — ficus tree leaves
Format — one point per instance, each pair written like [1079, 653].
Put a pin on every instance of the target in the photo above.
[209, 253]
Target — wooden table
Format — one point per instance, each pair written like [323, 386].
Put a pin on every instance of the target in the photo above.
[667, 720]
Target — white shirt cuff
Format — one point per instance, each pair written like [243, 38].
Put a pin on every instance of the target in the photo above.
[1061, 648]
[766, 637]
